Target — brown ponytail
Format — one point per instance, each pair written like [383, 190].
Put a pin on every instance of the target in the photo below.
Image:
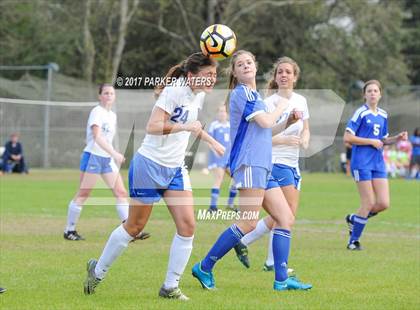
[192, 64]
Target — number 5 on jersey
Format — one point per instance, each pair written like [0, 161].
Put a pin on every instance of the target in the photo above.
[180, 116]
[376, 128]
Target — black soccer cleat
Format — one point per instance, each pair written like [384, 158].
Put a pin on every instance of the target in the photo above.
[142, 236]
[354, 246]
[72, 235]
[242, 253]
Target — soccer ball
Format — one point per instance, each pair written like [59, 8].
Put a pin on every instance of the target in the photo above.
[218, 41]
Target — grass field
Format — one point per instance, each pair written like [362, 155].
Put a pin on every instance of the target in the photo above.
[43, 271]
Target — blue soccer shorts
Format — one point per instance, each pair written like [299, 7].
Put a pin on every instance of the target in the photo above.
[148, 180]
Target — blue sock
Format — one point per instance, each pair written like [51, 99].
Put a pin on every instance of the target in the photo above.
[214, 197]
[232, 194]
[358, 226]
[227, 240]
[281, 248]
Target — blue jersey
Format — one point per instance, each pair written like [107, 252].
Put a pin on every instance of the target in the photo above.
[415, 141]
[367, 124]
[251, 144]
[221, 133]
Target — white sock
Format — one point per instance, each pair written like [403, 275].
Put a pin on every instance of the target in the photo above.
[260, 230]
[122, 209]
[73, 215]
[178, 258]
[116, 244]
[270, 258]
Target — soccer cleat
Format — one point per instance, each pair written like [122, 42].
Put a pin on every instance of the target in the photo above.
[232, 208]
[290, 271]
[2, 290]
[172, 293]
[291, 283]
[72, 235]
[211, 210]
[141, 236]
[349, 223]
[242, 253]
[206, 279]
[268, 267]
[91, 281]
[354, 246]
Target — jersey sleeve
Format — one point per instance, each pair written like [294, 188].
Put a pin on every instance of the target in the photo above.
[253, 105]
[167, 99]
[385, 132]
[354, 123]
[95, 118]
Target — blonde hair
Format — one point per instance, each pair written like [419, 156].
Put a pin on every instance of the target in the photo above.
[272, 84]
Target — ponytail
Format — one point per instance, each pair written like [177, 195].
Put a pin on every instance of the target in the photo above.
[192, 64]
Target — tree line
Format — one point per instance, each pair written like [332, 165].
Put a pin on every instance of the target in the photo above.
[336, 42]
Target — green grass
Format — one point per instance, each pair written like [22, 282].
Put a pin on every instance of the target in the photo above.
[43, 271]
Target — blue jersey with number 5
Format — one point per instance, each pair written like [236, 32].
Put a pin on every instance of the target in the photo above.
[370, 125]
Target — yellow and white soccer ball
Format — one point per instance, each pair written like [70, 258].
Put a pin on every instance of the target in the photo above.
[218, 41]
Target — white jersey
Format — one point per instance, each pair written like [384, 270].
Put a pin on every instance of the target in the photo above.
[288, 154]
[107, 122]
[182, 105]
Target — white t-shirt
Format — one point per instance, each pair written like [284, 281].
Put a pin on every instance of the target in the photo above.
[107, 122]
[287, 154]
[182, 105]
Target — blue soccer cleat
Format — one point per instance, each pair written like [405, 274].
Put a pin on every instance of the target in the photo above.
[291, 283]
[206, 279]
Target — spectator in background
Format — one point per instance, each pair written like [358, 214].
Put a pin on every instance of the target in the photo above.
[403, 157]
[13, 160]
[348, 157]
[415, 155]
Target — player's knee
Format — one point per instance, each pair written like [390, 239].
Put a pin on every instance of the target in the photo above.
[291, 220]
[368, 206]
[186, 228]
[134, 228]
[121, 193]
[247, 226]
[285, 221]
[82, 195]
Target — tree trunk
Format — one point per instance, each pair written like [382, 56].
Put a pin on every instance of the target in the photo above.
[125, 17]
[89, 46]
